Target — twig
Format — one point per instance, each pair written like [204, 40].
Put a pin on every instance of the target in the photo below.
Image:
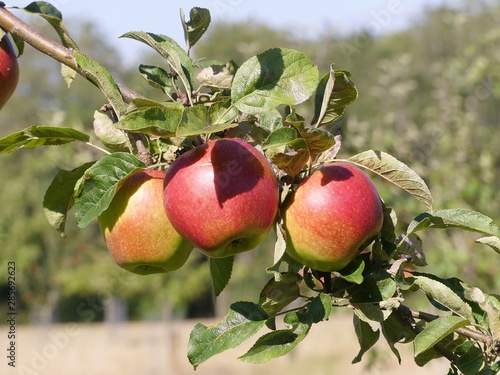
[64, 55]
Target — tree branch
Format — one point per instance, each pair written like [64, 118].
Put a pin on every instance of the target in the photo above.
[58, 52]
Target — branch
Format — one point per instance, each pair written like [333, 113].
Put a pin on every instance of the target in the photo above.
[478, 336]
[406, 316]
[58, 52]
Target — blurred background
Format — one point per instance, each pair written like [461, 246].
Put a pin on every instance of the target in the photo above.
[428, 78]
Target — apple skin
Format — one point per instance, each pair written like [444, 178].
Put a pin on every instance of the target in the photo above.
[136, 230]
[222, 196]
[9, 70]
[330, 216]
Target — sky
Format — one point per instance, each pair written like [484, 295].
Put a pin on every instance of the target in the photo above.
[309, 16]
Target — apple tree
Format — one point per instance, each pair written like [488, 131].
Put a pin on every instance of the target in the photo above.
[241, 161]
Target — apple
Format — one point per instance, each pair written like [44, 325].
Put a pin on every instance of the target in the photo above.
[136, 230]
[222, 196]
[9, 70]
[330, 216]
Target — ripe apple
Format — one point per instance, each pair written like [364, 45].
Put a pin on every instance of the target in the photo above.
[137, 232]
[222, 197]
[330, 216]
[9, 70]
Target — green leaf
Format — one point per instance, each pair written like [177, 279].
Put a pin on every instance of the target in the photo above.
[436, 331]
[243, 320]
[444, 295]
[490, 305]
[218, 76]
[107, 133]
[100, 77]
[54, 17]
[59, 197]
[472, 360]
[37, 136]
[272, 78]
[281, 137]
[195, 27]
[281, 342]
[196, 120]
[176, 57]
[396, 172]
[158, 121]
[271, 120]
[491, 241]
[157, 77]
[222, 113]
[99, 184]
[367, 337]
[335, 92]
[280, 292]
[221, 269]
[175, 120]
[321, 307]
[395, 332]
[411, 247]
[353, 272]
[460, 218]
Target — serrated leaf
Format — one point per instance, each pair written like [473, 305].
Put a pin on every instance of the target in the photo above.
[37, 136]
[195, 27]
[196, 120]
[280, 292]
[411, 247]
[174, 120]
[335, 92]
[99, 184]
[243, 320]
[281, 137]
[222, 112]
[271, 120]
[321, 307]
[272, 78]
[59, 197]
[444, 295]
[353, 272]
[396, 172]
[158, 121]
[367, 337]
[54, 17]
[100, 77]
[280, 255]
[107, 133]
[157, 77]
[435, 331]
[220, 270]
[281, 342]
[491, 241]
[395, 332]
[218, 76]
[460, 218]
[291, 162]
[168, 48]
[471, 361]
[490, 305]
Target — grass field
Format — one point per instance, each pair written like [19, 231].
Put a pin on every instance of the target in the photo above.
[160, 348]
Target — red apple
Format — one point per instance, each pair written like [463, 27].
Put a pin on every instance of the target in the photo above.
[222, 197]
[137, 232]
[9, 70]
[330, 216]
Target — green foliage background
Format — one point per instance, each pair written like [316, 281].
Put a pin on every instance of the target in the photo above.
[429, 95]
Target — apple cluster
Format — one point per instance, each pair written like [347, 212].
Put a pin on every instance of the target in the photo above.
[9, 70]
[223, 197]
